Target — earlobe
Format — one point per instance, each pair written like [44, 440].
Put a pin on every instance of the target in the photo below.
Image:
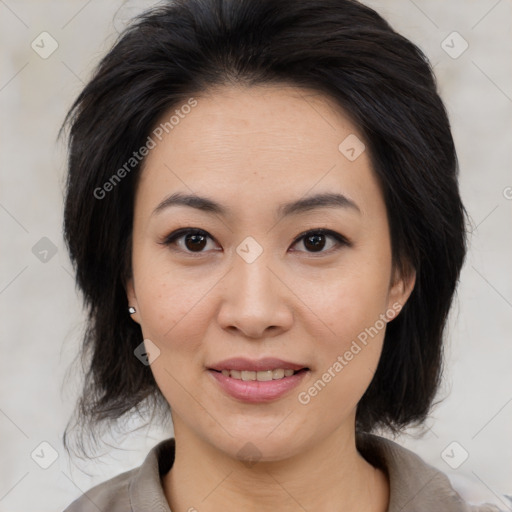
[132, 308]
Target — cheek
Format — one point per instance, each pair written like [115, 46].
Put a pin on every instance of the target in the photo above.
[177, 309]
[170, 303]
[353, 307]
[348, 354]
[171, 318]
[358, 330]
[349, 300]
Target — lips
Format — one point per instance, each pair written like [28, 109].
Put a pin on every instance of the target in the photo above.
[253, 365]
[255, 391]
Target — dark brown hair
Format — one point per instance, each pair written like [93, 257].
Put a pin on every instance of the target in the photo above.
[339, 48]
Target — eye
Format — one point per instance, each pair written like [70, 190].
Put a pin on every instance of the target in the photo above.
[315, 240]
[194, 240]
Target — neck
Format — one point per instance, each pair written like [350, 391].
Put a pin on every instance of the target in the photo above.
[321, 478]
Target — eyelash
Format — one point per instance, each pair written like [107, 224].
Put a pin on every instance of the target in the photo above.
[180, 233]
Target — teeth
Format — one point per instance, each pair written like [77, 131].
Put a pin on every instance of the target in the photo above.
[262, 376]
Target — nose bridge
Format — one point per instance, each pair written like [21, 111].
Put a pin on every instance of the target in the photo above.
[252, 299]
[253, 279]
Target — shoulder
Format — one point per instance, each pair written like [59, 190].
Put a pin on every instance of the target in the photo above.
[139, 489]
[415, 486]
[112, 495]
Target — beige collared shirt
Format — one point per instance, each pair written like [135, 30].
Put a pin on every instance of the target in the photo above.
[414, 485]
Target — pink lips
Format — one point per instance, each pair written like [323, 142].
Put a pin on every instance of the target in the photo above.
[257, 391]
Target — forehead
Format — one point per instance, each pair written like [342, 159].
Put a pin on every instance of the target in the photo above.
[247, 120]
[263, 142]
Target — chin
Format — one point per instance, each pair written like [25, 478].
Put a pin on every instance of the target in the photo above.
[263, 445]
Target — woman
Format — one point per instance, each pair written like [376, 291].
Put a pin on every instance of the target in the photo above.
[263, 212]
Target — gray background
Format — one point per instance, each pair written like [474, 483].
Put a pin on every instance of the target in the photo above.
[41, 313]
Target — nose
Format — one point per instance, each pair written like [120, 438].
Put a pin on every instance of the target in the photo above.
[255, 300]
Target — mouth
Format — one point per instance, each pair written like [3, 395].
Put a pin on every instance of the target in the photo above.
[257, 387]
[261, 375]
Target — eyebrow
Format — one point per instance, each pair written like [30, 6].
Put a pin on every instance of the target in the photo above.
[324, 200]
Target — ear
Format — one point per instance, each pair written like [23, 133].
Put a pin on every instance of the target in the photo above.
[400, 289]
[132, 299]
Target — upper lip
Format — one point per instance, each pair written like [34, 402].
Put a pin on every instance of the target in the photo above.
[255, 365]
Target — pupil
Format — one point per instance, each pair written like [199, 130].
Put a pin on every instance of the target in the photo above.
[317, 243]
[198, 241]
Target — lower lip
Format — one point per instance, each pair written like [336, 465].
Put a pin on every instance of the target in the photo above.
[255, 391]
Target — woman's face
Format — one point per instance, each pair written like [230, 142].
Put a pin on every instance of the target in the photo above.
[275, 164]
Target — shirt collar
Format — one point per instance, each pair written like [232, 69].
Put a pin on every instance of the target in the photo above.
[414, 484]
[146, 489]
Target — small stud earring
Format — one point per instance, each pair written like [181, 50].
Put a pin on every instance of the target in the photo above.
[131, 310]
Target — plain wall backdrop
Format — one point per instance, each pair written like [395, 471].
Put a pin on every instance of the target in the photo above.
[468, 434]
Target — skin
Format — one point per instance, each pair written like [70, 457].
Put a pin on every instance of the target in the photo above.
[252, 149]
